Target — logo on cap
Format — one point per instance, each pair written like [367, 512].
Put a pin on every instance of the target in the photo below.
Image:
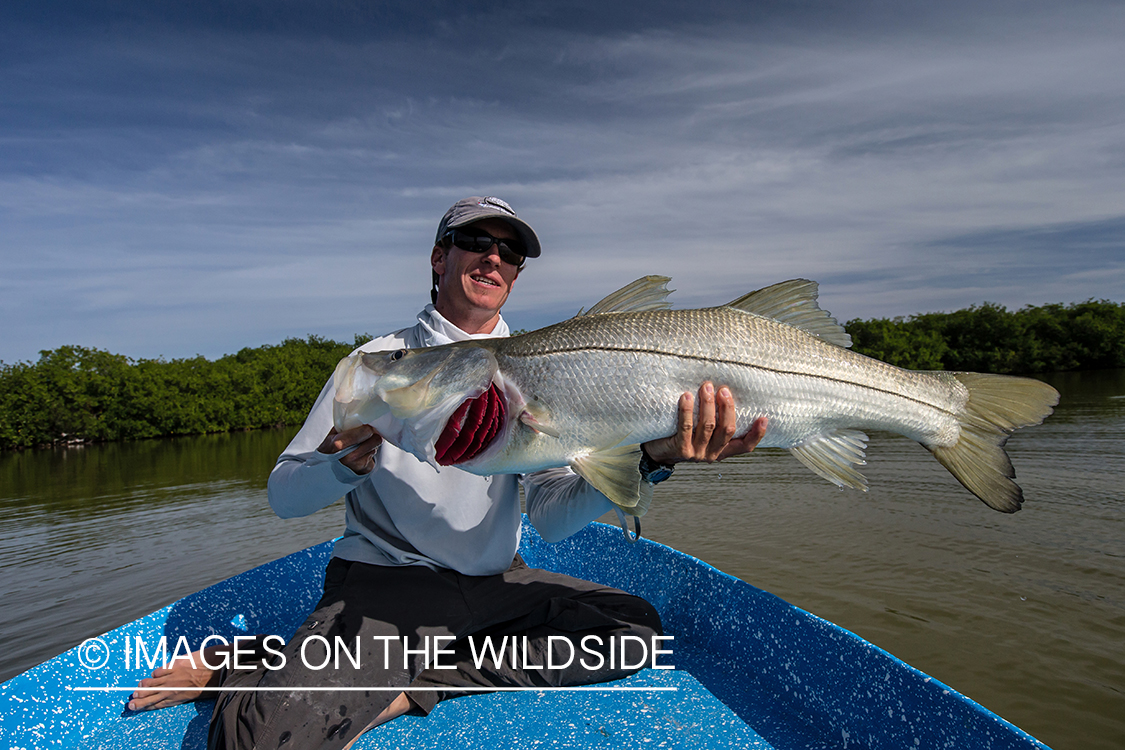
[491, 202]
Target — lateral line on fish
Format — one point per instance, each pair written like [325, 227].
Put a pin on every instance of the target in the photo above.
[735, 363]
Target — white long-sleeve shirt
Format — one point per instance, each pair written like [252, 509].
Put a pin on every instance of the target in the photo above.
[405, 512]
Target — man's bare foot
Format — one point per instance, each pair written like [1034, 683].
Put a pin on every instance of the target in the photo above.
[400, 705]
[178, 683]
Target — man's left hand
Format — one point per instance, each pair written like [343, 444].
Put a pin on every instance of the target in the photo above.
[712, 438]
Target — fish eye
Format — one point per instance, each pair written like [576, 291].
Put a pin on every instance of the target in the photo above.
[396, 356]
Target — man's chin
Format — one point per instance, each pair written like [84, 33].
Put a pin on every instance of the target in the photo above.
[491, 298]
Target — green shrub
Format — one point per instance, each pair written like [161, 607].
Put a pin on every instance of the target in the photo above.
[78, 394]
[1049, 338]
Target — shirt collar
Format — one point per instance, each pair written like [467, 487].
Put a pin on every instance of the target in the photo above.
[436, 330]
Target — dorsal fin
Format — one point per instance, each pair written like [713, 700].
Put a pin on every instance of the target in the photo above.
[646, 293]
[794, 302]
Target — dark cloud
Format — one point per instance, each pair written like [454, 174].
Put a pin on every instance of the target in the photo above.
[279, 167]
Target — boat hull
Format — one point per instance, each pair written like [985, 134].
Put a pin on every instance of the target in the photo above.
[751, 671]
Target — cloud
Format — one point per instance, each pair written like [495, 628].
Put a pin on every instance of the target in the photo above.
[218, 175]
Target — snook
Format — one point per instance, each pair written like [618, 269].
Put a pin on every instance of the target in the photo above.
[588, 391]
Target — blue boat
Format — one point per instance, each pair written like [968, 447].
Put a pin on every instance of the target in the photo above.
[751, 671]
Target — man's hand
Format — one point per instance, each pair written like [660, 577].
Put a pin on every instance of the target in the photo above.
[712, 439]
[367, 442]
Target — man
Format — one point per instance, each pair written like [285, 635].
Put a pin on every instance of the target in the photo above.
[427, 554]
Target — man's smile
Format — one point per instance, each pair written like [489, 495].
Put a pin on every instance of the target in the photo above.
[481, 279]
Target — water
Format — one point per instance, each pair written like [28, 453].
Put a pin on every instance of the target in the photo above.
[1024, 613]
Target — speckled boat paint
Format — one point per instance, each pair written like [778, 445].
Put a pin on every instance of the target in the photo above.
[752, 672]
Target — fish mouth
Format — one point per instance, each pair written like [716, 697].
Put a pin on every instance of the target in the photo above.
[471, 428]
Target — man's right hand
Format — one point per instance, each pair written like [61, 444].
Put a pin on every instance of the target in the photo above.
[367, 442]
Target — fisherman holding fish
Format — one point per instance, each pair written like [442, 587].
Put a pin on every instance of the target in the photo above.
[428, 560]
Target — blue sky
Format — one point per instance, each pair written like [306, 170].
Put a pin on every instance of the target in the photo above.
[192, 178]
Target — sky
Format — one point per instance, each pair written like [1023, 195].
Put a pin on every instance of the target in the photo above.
[182, 179]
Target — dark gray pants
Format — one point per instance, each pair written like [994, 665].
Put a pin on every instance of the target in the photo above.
[383, 605]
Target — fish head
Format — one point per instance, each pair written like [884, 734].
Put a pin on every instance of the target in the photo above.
[407, 395]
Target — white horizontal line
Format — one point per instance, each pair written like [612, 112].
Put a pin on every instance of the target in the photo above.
[323, 689]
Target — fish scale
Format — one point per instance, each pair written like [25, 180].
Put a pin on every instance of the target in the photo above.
[738, 337]
[588, 391]
[602, 393]
[633, 366]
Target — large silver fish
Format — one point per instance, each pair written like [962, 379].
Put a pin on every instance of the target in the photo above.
[587, 392]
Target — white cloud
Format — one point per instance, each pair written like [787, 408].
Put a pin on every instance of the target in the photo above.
[237, 188]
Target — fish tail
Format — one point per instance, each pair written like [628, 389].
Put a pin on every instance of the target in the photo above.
[997, 406]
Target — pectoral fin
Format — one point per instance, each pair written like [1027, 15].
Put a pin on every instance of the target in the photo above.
[835, 456]
[535, 416]
[615, 474]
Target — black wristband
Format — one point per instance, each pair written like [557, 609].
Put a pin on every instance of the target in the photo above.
[651, 471]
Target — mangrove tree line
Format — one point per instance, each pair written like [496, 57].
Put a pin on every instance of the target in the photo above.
[78, 394]
[75, 393]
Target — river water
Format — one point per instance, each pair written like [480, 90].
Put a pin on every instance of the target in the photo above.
[1024, 613]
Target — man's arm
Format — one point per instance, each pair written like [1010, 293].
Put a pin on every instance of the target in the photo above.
[317, 469]
[561, 503]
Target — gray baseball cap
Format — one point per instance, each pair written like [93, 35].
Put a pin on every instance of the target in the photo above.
[469, 210]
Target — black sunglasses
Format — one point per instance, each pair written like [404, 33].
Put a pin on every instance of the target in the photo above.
[511, 251]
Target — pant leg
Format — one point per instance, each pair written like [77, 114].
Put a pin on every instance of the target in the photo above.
[371, 601]
[551, 618]
[364, 602]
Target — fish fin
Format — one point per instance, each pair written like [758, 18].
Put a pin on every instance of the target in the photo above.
[794, 303]
[646, 293]
[997, 405]
[535, 416]
[616, 474]
[835, 456]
